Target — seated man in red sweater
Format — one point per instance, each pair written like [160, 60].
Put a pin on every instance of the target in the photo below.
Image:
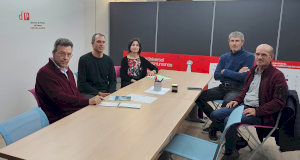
[264, 94]
[55, 86]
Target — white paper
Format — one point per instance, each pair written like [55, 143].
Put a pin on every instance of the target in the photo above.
[110, 104]
[112, 98]
[162, 92]
[140, 98]
[126, 105]
[130, 105]
[213, 83]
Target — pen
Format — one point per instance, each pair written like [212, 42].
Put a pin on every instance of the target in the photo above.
[161, 79]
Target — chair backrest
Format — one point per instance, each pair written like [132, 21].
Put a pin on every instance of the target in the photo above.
[23, 125]
[33, 92]
[235, 117]
[76, 74]
[117, 69]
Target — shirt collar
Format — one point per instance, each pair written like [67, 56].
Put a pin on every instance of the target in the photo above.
[63, 70]
[256, 70]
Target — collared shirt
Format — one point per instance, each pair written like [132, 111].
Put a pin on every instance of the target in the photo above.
[63, 70]
[251, 98]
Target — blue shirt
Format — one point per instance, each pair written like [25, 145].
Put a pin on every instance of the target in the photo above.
[232, 63]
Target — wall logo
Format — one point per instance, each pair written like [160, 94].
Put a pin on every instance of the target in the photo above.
[33, 25]
[24, 15]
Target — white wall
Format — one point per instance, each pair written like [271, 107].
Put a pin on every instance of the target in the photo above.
[24, 51]
[89, 23]
[96, 20]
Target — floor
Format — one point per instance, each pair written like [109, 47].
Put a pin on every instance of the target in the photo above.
[195, 129]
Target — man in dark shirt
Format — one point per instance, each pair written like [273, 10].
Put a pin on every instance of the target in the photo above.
[96, 72]
[55, 86]
[231, 71]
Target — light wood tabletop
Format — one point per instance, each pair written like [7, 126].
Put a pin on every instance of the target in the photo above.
[111, 133]
[182, 79]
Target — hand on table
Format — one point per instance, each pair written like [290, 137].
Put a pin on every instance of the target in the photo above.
[95, 100]
[103, 94]
[152, 73]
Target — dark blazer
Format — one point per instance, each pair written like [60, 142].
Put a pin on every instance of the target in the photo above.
[126, 79]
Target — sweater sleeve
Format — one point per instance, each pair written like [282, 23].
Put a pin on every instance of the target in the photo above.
[123, 70]
[84, 87]
[112, 77]
[53, 89]
[218, 75]
[280, 96]
[249, 62]
[150, 65]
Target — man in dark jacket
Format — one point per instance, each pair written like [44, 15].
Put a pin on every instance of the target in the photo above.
[55, 85]
[264, 95]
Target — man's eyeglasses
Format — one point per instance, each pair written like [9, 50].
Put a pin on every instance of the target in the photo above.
[61, 54]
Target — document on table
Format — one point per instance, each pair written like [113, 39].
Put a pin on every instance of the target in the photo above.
[159, 77]
[162, 92]
[140, 98]
[125, 105]
[119, 98]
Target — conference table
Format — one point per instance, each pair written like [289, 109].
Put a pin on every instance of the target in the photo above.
[114, 133]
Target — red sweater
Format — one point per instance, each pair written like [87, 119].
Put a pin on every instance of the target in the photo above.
[58, 96]
[273, 93]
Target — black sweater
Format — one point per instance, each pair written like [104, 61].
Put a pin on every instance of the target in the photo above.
[96, 74]
[126, 79]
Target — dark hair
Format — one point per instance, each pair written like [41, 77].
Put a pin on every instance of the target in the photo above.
[130, 43]
[99, 34]
[62, 42]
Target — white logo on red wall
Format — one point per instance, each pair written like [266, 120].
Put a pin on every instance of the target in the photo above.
[24, 15]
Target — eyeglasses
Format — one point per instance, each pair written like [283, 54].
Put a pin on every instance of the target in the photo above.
[61, 54]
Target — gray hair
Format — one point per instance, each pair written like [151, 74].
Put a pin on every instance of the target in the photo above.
[236, 34]
[62, 42]
[99, 34]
